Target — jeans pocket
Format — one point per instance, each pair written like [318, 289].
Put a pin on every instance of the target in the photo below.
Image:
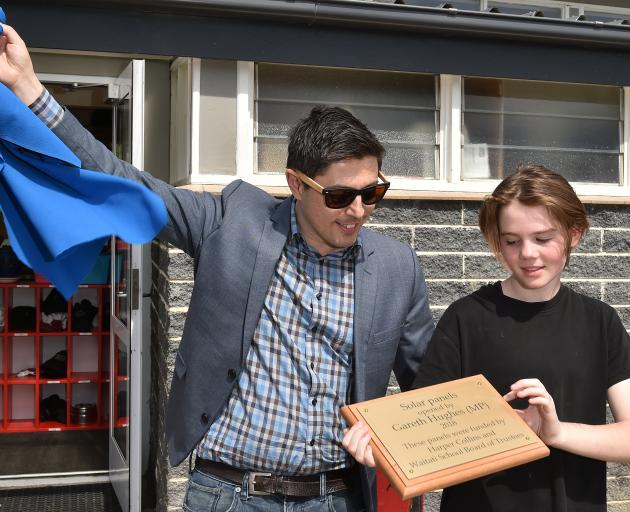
[208, 494]
[345, 501]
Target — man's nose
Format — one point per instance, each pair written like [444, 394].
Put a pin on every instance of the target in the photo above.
[356, 208]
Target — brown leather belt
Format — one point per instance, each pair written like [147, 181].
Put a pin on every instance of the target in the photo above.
[260, 483]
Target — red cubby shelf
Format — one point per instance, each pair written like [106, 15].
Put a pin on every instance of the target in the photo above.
[21, 426]
[87, 372]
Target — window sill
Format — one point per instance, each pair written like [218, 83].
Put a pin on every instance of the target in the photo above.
[423, 195]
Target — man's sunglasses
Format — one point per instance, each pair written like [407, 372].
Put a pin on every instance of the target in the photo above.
[341, 197]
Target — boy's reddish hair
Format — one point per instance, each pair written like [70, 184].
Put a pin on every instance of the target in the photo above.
[534, 185]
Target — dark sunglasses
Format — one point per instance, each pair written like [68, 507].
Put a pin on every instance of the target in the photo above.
[341, 197]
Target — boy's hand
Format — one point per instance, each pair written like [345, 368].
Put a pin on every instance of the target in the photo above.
[541, 414]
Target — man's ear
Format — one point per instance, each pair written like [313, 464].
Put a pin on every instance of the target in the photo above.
[295, 184]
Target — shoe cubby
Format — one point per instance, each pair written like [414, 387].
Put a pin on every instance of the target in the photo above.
[22, 309]
[53, 360]
[21, 407]
[85, 359]
[84, 405]
[54, 357]
[84, 315]
[104, 403]
[53, 406]
[121, 385]
[21, 357]
[104, 359]
[121, 423]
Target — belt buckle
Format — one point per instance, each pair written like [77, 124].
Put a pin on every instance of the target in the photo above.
[251, 483]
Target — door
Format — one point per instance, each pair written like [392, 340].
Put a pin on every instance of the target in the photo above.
[125, 344]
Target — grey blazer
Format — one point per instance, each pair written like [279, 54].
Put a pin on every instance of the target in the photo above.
[236, 240]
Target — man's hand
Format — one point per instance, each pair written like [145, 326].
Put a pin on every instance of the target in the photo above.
[541, 414]
[356, 441]
[16, 67]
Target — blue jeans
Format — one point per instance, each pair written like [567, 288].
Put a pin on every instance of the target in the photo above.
[207, 493]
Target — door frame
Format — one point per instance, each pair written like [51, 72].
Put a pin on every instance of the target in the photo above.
[135, 388]
[129, 490]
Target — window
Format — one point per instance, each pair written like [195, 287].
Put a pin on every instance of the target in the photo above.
[607, 17]
[443, 134]
[400, 108]
[526, 8]
[466, 5]
[571, 128]
[592, 11]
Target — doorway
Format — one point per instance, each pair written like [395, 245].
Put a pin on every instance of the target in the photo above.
[42, 436]
[54, 402]
[88, 85]
[56, 360]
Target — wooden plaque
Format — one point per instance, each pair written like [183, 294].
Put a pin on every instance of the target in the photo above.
[442, 435]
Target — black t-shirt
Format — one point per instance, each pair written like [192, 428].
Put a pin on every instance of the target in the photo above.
[578, 348]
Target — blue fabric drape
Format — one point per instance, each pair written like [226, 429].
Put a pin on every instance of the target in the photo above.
[57, 215]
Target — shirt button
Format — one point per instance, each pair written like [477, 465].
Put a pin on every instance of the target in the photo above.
[231, 374]
[204, 418]
[314, 402]
[312, 442]
[312, 366]
[319, 296]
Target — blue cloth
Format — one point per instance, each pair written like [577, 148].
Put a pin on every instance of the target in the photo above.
[57, 215]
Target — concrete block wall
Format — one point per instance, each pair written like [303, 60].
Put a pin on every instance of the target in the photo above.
[456, 261]
[172, 280]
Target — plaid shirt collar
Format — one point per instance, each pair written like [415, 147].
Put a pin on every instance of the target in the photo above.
[296, 237]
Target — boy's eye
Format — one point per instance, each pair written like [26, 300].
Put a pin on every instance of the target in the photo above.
[543, 240]
[510, 242]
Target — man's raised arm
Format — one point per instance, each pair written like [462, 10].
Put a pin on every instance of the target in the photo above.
[16, 67]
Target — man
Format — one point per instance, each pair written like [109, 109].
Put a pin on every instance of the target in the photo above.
[296, 310]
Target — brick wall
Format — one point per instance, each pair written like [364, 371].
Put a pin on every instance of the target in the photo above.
[456, 262]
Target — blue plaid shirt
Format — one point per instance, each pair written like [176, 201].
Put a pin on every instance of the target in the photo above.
[47, 109]
[283, 415]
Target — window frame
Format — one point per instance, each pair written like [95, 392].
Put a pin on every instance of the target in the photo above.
[582, 188]
[568, 8]
[448, 183]
[564, 8]
[188, 156]
[436, 145]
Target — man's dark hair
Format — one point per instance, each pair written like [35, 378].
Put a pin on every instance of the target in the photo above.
[329, 135]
